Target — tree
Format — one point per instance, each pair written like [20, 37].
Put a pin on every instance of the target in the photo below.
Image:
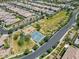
[42, 56]
[78, 21]
[49, 50]
[42, 42]
[10, 31]
[27, 37]
[55, 1]
[26, 52]
[35, 47]
[21, 39]
[38, 27]
[19, 17]
[6, 45]
[46, 38]
[15, 36]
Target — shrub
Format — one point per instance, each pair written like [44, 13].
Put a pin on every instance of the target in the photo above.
[49, 50]
[26, 52]
[6, 45]
[35, 47]
[38, 27]
[46, 38]
[42, 42]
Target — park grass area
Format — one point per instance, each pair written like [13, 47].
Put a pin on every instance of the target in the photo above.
[19, 43]
[52, 24]
[28, 44]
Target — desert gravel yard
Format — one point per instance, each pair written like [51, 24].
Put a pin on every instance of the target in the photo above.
[52, 24]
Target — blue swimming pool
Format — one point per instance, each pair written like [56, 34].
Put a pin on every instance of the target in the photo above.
[37, 36]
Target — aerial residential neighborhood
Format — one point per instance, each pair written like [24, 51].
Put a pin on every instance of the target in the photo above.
[39, 29]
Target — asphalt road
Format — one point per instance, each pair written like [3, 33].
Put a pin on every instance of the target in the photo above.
[53, 40]
[3, 31]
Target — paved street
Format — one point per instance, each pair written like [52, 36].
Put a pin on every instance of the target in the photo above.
[53, 40]
[3, 31]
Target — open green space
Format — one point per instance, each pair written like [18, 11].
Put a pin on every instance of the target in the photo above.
[21, 42]
[50, 25]
[18, 43]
